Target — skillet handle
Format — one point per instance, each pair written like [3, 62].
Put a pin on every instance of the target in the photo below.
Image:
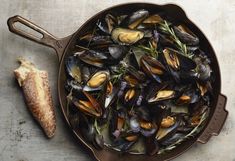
[217, 121]
[47, 39]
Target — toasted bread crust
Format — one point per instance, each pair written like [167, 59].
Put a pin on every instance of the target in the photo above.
[38, 97]
[37, 93]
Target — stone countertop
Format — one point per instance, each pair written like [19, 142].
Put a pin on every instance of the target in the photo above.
[21, 139]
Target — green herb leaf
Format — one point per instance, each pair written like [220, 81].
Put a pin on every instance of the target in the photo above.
[165, 27]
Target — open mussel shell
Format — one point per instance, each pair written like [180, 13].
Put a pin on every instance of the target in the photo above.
[129, 94]
[136, 74]
[164, 133]
[162, 95]
[123, 145]
[107, 25]
[111, 22]
[168, 122]
[148, 128]
[177, 61]
[93, 58]
[125, 141]
[109, 94]
[124, 36]
[72, 66]
[186, 36]
[191, 95]
[204, 88]
[152, 67]
[96, 81]
[117, 122]
[89, 105]
[135, 19]
[153, 19]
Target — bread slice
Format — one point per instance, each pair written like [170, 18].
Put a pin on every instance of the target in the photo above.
[37, 93]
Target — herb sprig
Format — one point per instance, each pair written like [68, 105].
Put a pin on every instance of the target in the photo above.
[150, 49]
[165, 27]
[118, 74]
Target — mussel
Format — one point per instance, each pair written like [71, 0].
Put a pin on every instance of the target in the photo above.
[152, 67]
[168, 122]
[107, 25]
[177, 61]
[89, 105]
[124, 36]
[163, 94]
[111, 22]
[126, 141]
[86, 73]
[72, 65]
[110, 94]
[185, 35]
[92, 57]
[136, 74]
[117, 123]
[135, 19]
[153, 19]
[164, 133]
[130, 93]
[203, 68]
[96, 81]
[190, 95]
[148, 128]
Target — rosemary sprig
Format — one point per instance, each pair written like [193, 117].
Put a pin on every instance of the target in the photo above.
[195, 131]
[165, 27]
[118, 74]
[93, 33]
[149, 49]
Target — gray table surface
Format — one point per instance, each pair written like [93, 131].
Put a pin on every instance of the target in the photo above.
[20, 137]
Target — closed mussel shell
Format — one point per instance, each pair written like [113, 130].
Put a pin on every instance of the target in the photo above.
[135, 19]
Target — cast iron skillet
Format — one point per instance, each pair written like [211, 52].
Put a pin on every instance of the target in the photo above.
[65, 46]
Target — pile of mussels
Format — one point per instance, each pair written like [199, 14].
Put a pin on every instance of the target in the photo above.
[138, 83]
